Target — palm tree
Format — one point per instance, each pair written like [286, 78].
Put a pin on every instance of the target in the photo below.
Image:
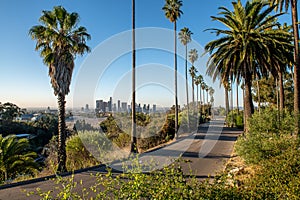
[185, 38]
[238, 53]
[206, 89]
[15, 157]
[197, 82]
[200, 80]
[203, 86]
[59, 40]
[133, 148]
[193, 56]
[211, 94]
[226, 88]
[173, 12]
[284, 4]
[193, 72]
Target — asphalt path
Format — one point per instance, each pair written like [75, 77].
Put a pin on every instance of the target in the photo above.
[202, 154]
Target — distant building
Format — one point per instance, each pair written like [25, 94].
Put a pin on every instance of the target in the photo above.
[51, 111]
[119, 106]
[114, 108]
[154, 108]
[124, 107]
[87, 108]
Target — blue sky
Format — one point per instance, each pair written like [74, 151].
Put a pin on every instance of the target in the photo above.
[24, 78]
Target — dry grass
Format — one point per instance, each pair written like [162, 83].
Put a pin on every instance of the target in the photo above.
[238, 171]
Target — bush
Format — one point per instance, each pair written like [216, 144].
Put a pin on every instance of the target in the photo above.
[78, 156]
[266, 137]
[278, 178]
[235, 119]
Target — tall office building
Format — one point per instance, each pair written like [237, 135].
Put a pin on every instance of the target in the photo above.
[154, 108]
[124, 107]
[119, 108]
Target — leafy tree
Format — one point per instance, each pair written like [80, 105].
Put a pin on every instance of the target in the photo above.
[173, 12]
[15, 157]
[185, 38]
[238, 53]
[8, 111]
[59, 40]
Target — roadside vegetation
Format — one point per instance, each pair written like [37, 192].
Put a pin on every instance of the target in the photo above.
[268, 168]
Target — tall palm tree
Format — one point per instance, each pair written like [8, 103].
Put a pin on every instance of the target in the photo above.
[226, 88]
[280, 5]
[237, 98]
[59, 40]
[211, 92]
[133, 148]
[185, 38]
[200, 80]
[193, 73]
[203, 86]
[173, 12]
[193, 57]
[15, 157]
[197, 82]
[238, 53]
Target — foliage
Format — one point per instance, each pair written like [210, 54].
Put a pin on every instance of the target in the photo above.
[238, 54]
[110, 127]
[235, 119]
[267, 136]
[267, 91]
[16, 158]
[81, 125]
[8, 111]
[278, 177]
[78, 156]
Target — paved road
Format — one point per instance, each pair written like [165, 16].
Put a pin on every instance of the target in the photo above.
[207, 151]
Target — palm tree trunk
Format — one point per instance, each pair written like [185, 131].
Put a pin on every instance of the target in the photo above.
[297, 64]
[200, 100]
[281, 92]
[237, 98]
[197, 105]
[133, 148]
[62, 157]
[226, 101]
[187, 90]
[258, 95]
[175, 73]
[193, 89]
[249, 108]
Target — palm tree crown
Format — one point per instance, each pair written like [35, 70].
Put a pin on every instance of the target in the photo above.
[239, 53]
[172, 9]
[185, 36]
[193, 55]
[59, 40]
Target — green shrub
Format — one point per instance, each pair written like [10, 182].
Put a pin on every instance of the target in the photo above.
[267, 137]
[278, 177]
[235, 118]
[78, 156]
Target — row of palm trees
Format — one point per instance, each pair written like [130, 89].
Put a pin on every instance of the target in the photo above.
[254, 44]
[59, 39]
[173, 12]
